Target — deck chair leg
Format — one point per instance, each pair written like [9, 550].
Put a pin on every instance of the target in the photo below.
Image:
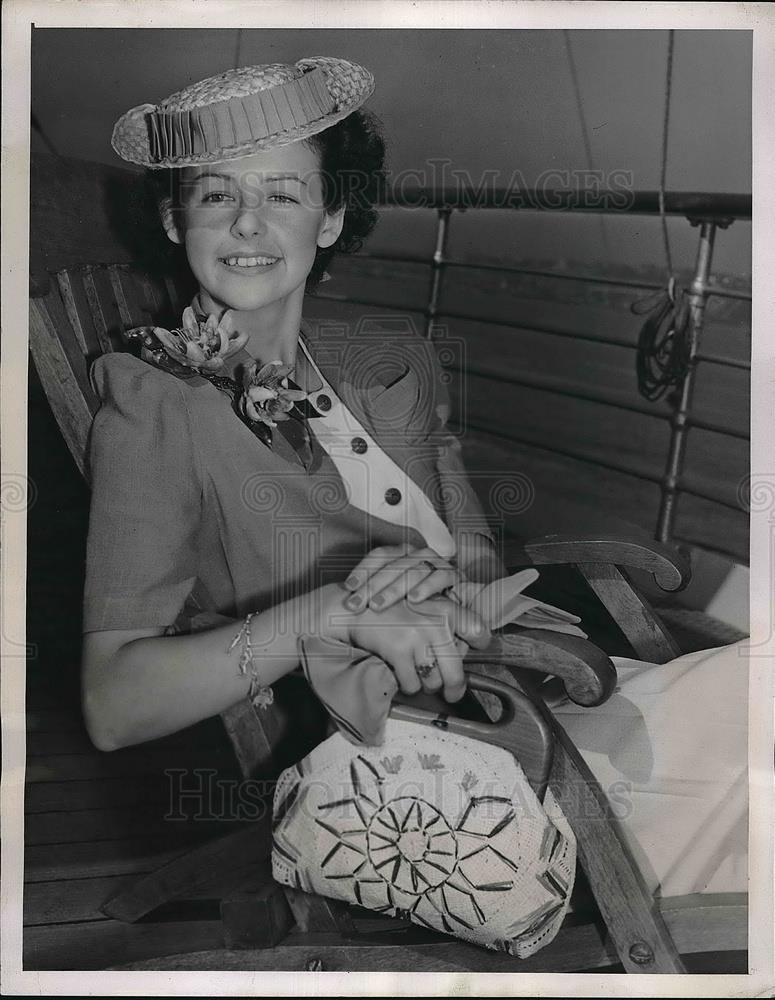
[192, 869]
[632, 917]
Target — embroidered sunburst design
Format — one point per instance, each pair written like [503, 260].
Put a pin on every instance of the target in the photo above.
[410, 845]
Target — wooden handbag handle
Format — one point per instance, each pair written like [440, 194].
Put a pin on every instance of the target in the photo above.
[522, 728]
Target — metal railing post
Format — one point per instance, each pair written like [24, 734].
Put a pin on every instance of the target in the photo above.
[437, 270]
[679, 421]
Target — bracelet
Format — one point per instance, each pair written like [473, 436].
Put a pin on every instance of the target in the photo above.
[259, 694]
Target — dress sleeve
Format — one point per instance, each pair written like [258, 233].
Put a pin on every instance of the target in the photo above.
[141, 559]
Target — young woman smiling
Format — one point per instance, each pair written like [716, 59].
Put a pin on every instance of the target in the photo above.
[263, 173]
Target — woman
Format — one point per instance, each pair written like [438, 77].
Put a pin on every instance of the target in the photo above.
[352, 519]
[269, 170]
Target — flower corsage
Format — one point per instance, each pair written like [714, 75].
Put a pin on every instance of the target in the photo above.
[264, 395]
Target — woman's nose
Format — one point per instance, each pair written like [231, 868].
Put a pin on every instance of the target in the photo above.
[248, 223]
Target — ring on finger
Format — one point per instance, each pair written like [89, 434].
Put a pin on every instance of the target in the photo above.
[424, 670]
[429, 565]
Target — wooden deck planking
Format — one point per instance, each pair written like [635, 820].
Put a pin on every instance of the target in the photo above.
[103, 943]
[55, 797]
[82, 766]
[73, 900]
[85, 859]
[113, 824]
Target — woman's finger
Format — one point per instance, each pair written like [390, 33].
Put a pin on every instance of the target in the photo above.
[450, 667]
[391, 584]
[463, 622]
[470, 627]
[374, 561]
[403, 666]
[388, 588]
[376, 570]
[427, 669]
[393, 581]
[438, 646]
[433, 583]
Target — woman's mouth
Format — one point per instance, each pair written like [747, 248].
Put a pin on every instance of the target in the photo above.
[248, 262]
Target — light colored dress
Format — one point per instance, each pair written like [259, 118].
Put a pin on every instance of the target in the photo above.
[670, 748]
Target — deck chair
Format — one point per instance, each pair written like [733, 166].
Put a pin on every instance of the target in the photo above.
[87, 285]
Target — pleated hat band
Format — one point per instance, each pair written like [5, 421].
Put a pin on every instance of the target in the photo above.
[242, 111]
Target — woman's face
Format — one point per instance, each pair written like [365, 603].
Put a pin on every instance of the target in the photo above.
[251, 226]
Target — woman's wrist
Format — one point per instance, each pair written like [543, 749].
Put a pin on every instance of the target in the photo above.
[333, 616]
[275, 632]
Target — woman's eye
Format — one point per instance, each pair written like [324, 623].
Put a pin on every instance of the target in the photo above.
[216, 197]
[283, 199]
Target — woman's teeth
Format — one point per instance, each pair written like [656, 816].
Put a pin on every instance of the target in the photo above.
[249, 261]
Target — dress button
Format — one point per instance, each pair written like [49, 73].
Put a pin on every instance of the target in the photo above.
[323, 403]
[358, 445]
[392, 496]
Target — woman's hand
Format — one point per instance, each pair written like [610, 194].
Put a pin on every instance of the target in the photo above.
[423, 643]
[391, 573]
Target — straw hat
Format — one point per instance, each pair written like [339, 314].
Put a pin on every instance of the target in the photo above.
[242, 111]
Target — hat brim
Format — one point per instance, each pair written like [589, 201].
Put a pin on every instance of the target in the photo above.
[131, 137]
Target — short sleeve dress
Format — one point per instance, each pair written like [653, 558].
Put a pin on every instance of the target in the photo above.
[192, 513]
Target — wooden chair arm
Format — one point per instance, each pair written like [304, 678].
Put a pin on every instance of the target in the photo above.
[670, 567]
[587, 673]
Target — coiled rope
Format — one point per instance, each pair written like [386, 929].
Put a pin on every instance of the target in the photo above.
[664, 347]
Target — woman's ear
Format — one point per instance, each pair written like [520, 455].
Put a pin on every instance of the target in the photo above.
[331, 228]
[168, 216]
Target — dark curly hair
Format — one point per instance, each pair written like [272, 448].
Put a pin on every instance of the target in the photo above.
[352, 164]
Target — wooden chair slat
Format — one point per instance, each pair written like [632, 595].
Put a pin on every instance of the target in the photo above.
[68, 300]
[574, 949]
[60, 383]
[84, 338]
[69, 343]
[95, 307]
[150, 292]
[114, 273]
